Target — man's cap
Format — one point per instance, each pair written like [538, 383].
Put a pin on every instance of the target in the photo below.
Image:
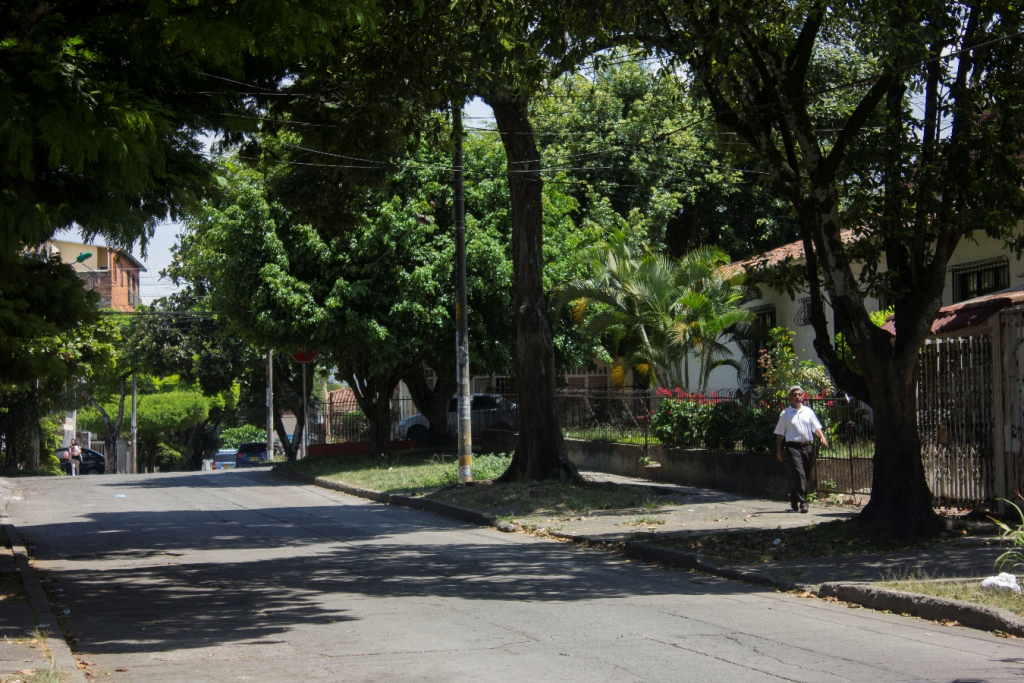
[795, 388]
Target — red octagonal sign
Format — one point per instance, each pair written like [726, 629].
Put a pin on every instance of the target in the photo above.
[305, 356]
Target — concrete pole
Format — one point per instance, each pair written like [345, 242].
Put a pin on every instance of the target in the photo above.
[270, 404]
[133, 466]
[461, 316]
[305, 414]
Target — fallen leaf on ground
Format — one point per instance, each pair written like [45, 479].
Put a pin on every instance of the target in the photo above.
[948, 622]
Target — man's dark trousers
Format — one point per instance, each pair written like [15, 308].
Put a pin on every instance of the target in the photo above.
[798, 465]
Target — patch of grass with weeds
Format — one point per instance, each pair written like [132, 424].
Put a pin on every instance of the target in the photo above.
[646, 520]
[828, 539]
[968, 590]
[50, 675]
[412, 474]
[554, 498]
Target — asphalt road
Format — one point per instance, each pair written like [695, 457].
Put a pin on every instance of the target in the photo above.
[230, 576]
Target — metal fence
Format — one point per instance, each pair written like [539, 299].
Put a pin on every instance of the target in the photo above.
[956, 419]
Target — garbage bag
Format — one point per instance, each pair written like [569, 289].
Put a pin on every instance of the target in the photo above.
[1006, 582]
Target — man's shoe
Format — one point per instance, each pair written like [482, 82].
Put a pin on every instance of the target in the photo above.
[803, 509]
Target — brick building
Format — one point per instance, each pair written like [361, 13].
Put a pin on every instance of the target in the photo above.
[112, 273]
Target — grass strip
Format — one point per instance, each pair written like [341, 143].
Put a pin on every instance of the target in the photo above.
[436, 475]
[828, 539]
[968, 590]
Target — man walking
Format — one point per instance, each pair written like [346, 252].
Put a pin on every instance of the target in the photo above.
[798, 425]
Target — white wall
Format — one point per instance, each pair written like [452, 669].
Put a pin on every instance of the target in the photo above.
[786, 309]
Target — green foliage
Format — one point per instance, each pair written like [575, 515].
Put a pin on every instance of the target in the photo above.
[647, 160]
[699, 421]
[169, 459]
[1013, 535]
[781, 370]
[652, 311]
[52, 428]
[175, 411]
[235, 436]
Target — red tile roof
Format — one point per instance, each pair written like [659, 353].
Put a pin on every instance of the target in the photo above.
[970, 313]
[792, 251]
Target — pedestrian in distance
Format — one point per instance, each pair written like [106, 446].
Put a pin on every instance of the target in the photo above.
[75, 457]
[798, 426]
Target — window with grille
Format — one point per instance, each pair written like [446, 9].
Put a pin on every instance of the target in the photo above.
[764, 320]
[979, 278]
[803, 315]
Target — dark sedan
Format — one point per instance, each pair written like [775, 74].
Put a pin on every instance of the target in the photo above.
[92, 462]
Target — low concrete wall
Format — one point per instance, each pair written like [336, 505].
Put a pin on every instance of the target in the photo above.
[750, 474]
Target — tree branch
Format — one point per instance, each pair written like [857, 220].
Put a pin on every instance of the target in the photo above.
[830, 166]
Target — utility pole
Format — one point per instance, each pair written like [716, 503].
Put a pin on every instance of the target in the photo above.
[305, 415]
[270, 404]
[133, 465]
[461, 316]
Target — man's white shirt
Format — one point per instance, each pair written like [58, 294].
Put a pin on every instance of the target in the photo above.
[798, 424]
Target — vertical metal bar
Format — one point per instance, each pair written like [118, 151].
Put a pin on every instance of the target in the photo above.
[270, 404]
[461, 302]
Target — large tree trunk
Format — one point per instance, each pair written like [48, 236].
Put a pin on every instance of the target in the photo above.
[433, 402]
[540, 451]
[901, 503]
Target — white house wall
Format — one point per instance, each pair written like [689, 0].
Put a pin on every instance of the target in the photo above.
[980, 248]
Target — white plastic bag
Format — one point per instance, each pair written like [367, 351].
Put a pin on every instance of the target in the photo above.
[1005, 582]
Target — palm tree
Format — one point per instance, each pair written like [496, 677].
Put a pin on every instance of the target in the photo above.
[636, 292]
[654, 312]
[712, 318]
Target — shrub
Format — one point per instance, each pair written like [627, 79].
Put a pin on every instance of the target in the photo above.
[681, 421]
[695, 420]
[169, 459]
[723, 422]
[236, 436]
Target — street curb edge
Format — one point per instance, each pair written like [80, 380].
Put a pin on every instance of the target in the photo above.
[455, 512]
[60, 652]
[650, 552]
[926, 606]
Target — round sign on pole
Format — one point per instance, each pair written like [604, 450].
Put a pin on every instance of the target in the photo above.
[305, 356]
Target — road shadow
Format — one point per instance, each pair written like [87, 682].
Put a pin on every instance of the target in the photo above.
[160, 580]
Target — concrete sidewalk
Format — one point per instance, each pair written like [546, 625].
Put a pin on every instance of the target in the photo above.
[22, 651]
[699, 511]
[712, 511]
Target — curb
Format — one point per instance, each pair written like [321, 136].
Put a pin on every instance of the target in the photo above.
[926, 606]
[650, 552]
[426, 504]
[60, 653]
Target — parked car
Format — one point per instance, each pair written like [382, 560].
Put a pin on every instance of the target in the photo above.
[224, 459]
[92, 462]
[251, 453]
[485, 411]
